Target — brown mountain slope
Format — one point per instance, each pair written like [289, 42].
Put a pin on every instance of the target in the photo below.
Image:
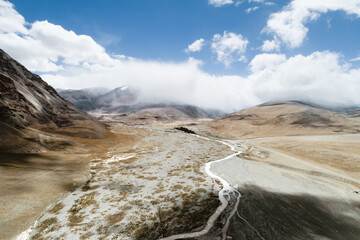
[28, 104]
[353, 113]
[283, 119]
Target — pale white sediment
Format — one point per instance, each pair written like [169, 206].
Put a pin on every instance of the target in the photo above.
[159, 173]
[25, 235]
[224, 197]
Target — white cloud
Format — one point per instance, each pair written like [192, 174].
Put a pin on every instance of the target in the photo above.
[319, 77]
[262, 1]
[46, 47]
[195, 46]
[43, 46]
[289, 23]
[182, 82]
[266, 61]
[238, 3]
[219, 3]
[355, 59]
[271, 45]
[249, 10]
[10, 20]
[229, 47]
[269, 3]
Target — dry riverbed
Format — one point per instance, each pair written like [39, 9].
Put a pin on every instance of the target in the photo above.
[156, 188]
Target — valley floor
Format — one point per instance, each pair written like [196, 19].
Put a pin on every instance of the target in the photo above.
[155, 188]
[155, 185]
[298, 187]
[31, 182]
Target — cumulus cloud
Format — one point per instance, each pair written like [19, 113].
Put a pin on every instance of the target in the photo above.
[266, 61]
[43, 46]
[290, 23]
[320, 77]
[195, 46]
[219, 3]
[10, 19]
[271, 45]
[229, 47]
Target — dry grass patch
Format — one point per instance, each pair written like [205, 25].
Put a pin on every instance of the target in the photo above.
[115, 218]
[75, 219]
[176, 187]
[151, 178]
[85, 201]
[201, 190]
[55, 209]
[129, 160]
[137, 202]
[47, 223]
[86, 235]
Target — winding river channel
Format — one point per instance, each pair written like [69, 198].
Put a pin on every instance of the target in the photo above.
[225, 195]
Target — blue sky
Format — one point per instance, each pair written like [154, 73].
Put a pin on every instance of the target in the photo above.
[159, 29]
[162, 29]
[77, 44]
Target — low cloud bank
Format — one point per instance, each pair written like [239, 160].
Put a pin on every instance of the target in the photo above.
[321, 77]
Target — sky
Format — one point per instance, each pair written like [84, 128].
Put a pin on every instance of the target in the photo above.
[223, 54]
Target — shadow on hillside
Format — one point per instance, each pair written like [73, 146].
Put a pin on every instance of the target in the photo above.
[20, 160]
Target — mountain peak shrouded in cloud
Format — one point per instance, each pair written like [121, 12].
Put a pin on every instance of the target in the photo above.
[69, 60]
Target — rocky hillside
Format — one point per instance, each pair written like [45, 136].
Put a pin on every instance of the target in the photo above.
[101, 100]
[28, 104]
[283, 119]
[117, 98]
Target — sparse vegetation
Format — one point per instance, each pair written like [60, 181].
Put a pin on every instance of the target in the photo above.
[55, 209]
[127, 205]
[115, 218]
[48, 224]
